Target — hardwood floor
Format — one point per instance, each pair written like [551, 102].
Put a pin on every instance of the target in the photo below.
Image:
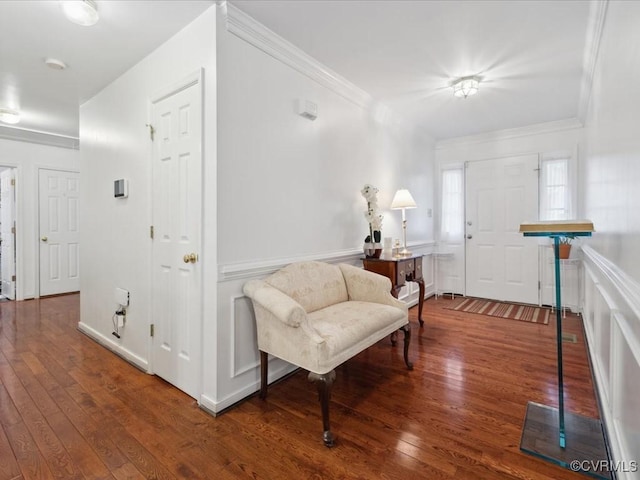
[70, 409]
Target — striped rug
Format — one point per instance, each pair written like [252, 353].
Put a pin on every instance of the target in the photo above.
[514, 311]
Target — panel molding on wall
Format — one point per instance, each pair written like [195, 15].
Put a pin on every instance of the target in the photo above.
[239, 367]
[612, 325]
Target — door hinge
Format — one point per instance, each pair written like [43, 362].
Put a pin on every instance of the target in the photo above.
[13, 230]
[151, 329]
[539, 285]
[13, 182]
[152, 131]
[151, 232]
[13, 278]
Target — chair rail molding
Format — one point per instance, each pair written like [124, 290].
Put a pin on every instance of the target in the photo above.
[244, 270]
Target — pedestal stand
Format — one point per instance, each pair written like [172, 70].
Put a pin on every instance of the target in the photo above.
[569, 440]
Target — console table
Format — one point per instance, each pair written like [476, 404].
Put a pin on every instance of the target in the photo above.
[399, 270]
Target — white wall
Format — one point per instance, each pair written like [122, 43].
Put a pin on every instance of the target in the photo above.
[611, 198]
[289, 188]
[116, 144]
[28, 159]
[553, 138]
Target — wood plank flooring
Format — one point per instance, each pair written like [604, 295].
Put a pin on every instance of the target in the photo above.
[70, 409]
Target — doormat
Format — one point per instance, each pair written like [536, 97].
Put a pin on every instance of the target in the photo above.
[492, 308]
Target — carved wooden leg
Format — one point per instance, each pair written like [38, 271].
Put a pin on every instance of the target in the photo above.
[420, 283]
[407, 338]
[324, 383]
[264, 370]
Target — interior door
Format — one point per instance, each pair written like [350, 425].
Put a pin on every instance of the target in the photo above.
[501, 263]
[59, 231]
[7, 233]
[177, 219]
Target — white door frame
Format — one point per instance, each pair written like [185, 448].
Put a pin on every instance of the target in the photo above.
[195, 78]
[19, 237]
[38, 168]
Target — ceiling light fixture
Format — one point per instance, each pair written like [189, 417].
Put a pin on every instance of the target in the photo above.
[465, 86]
[55, 64]
[81, 12]
[9, 116]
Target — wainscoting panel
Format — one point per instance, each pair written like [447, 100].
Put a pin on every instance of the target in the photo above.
[612, 324]
[238, 369]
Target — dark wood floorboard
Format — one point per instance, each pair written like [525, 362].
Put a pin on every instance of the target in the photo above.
[70, 409]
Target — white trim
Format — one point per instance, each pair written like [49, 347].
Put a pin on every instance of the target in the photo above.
[597, 15]
[20, 134]
[116, 348]
[625, 285]
[253, 32]
[235, 271]
[214, 407]
[509, 133]
[233, 320]
[194, 78]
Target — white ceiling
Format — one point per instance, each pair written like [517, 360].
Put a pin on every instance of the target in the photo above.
[406, 53]
[403, 53]
[31, 31]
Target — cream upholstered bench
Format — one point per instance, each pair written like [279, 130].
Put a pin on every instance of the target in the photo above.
[316, 316]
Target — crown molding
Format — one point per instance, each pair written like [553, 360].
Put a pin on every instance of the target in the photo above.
[36, 136]
[499, 135]
[253, 32]
[597, 15]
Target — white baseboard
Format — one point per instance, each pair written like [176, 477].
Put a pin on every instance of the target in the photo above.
[129, 356]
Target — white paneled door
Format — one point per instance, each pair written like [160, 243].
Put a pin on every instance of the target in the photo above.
[59, 231]
[177, 219]
[501, 263]
[7, 233]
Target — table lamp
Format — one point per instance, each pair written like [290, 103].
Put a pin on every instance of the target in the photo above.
[401, 201]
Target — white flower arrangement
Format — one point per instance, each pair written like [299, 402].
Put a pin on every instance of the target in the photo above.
[371, 215]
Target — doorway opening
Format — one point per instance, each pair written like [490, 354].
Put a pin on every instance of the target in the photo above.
[7, 233]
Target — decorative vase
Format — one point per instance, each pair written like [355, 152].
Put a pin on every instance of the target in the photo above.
[372, 250]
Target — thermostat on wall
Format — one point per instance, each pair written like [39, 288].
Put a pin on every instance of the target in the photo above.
[120, 188]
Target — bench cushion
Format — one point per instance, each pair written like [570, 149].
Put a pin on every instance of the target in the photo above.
[350, 327]
[314, 285]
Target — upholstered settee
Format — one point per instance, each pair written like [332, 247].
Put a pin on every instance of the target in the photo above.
[317, 316]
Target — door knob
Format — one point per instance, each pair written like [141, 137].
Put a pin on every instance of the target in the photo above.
[190, 258]
[469, 237]
[44, 239]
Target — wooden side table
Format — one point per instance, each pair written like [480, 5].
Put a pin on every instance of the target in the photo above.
[399, 270]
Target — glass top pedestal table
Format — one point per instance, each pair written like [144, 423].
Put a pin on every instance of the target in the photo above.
[572, 441]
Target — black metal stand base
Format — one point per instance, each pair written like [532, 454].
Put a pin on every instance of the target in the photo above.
[585, 449]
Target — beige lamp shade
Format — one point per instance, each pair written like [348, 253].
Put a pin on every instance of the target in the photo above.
[403, 199]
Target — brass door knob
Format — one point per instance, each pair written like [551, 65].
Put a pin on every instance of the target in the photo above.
[190, 258]
[44, 239]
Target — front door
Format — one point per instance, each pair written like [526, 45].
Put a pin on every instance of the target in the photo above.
[8, 233]
[177, 220]
[501, 263]
[59, 232]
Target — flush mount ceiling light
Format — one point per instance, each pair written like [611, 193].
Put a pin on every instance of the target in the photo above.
[9, 116]
[55, 64]
[82, 12]
[465, 86]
